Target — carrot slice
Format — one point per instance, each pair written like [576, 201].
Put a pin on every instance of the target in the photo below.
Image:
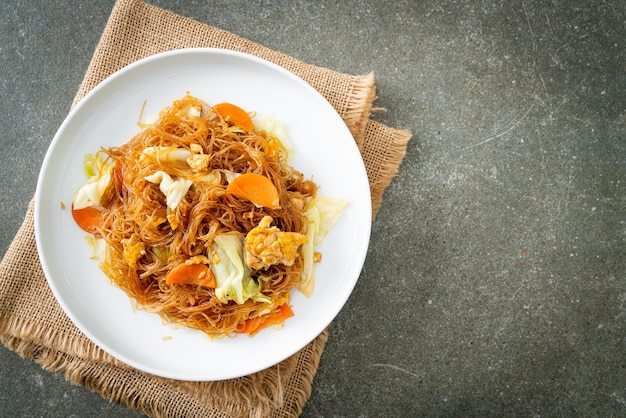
[199, 274]
[256, 188]
[254, 325]
[89, 219]
[235, 115]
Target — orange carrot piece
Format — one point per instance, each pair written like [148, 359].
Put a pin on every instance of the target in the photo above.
[256, 188]
[254, 325]
[89, 219]
[199, 274]
[235, 115]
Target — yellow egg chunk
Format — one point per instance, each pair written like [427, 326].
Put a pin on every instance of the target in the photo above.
[267, 245]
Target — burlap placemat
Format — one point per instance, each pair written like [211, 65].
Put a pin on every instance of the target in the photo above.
[35, 326]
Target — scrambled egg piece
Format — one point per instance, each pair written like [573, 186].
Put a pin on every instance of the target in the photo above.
[171, 219]
[198, 259]
[134, 248]
[267, 245]
[199, 162]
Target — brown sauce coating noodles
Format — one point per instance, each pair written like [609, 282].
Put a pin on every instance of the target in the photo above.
[136, 212]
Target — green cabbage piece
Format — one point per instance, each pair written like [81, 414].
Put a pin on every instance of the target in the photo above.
[322, 214]
[272, 126]
[98, 178]
[90, 165]
[231, 273]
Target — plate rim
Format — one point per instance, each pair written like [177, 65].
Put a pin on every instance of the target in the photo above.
[59, 138]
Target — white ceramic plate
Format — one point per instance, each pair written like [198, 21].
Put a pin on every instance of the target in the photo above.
[108, 116]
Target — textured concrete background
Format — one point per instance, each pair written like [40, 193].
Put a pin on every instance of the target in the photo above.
[495, 283]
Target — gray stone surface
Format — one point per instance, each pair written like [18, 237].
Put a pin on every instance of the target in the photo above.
[495, 282]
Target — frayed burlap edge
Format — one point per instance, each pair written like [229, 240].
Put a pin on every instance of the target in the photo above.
[132, 388]
[32, 289]
[127, 388]
[356, 115]
[281, 389]
[392, 147]
[73, 345]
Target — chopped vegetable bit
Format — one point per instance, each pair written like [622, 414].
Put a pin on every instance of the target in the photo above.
[232, 274]
[254, 325]
[167, 154]
[91, 193]
[280, 139]
[89, 218]
[322, 214]
[235, 115]
[199, 274]
[90, 165]
[267, 245]
[256, 188]
[173, 188]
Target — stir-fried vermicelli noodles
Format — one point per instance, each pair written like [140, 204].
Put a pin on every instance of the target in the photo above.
[201, 219]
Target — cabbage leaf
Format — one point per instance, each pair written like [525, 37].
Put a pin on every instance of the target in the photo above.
[322, 214]
[231, 273]
[174, 188]
[272, 126]
[99, 177]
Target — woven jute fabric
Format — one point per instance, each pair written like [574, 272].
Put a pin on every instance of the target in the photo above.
[35, 326]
